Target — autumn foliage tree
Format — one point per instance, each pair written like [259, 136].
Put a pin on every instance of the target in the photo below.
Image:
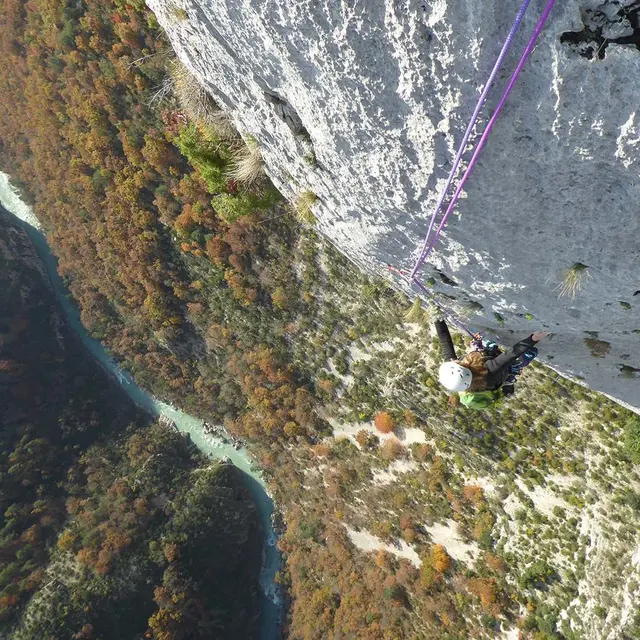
[384, 422]
[435, 564]
[473, 494]
[495, 563]
[441, 559]
[486, 590]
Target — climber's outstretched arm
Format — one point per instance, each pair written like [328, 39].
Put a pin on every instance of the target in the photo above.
[446, 342]
[505, 360]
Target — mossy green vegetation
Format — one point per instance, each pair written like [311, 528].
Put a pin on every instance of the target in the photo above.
[632, 439]
[212, 159]
[597, 348]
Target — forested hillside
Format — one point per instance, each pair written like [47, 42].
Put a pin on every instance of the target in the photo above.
[108, 184]
[405, 516]
[112, 526]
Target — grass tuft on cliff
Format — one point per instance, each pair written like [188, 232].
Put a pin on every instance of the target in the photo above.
[247, 166]
[573, 280]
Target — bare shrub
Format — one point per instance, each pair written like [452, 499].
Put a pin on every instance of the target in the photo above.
[366, 440]
[222, 124]
[197, 104]
[393, 449]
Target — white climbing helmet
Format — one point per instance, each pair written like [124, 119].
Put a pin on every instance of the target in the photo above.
[454, 377]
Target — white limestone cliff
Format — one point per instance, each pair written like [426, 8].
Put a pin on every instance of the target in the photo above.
[363, 102]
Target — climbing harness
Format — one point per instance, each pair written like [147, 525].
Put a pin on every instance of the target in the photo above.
[431, 239]
[484, 399]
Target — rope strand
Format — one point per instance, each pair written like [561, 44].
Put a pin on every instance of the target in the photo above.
[488, 129]
[429, 242]
[465, 139]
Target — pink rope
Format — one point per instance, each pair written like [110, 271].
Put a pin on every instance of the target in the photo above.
[467, 134]
[514, 76]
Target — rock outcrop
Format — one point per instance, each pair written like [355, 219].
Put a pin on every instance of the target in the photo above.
[363, 103]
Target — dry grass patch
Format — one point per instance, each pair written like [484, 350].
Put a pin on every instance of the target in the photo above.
[573, 280]
[303, 207]
[415, 313]
[179, 14]
[197, 104]
[247, 166]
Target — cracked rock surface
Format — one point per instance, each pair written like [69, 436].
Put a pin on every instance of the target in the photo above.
[363, 102]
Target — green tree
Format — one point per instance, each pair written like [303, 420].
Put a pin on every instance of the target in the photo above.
[632, 439]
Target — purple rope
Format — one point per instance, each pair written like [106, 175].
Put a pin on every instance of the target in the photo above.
[490, 125]
[483, 96]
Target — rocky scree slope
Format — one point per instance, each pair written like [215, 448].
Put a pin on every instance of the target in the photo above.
[363, 104]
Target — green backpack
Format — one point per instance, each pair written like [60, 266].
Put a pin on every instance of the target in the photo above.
[480, 399]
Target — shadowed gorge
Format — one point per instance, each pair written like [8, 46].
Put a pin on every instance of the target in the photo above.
[112, 524]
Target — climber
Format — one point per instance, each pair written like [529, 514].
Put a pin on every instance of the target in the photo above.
[485, 374]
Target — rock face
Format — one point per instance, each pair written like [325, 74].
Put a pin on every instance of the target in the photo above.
[363, 102]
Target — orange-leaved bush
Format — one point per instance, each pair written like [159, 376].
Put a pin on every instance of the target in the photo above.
[384, 422]
[474, 494]
[486, 590]
[441, 559]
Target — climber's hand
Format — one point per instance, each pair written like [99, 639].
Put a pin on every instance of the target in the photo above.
[539, 335]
